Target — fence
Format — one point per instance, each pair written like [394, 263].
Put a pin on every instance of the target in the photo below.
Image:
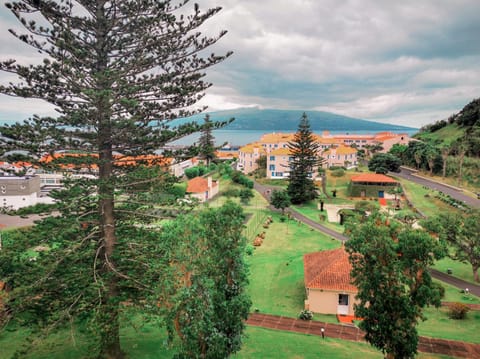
[253, 225]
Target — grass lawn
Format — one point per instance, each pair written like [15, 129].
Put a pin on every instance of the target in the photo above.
[439, 325]
[423, 199]
[311, 211]
[460, 270]
[276, 268]
[453, 294]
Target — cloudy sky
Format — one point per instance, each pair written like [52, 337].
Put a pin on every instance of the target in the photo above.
[403, 62]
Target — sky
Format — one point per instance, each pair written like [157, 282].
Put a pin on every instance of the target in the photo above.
[401, 62]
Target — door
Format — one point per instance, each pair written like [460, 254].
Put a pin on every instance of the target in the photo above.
[381, 194]
[343, 300]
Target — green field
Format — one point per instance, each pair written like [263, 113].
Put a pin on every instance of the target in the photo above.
[276, 268]
[272, 344]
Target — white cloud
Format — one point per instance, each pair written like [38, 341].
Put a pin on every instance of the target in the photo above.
[374, 59]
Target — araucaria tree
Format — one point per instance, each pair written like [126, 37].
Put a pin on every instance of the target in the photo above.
[117, 73]
[390, 269]
[305, 160]
[206, 141]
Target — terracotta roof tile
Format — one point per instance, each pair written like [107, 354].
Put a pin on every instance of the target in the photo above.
[328, 270]
[373, 177]
[199, 185]
[281, 152]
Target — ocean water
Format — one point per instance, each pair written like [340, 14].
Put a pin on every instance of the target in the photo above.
[242, 137]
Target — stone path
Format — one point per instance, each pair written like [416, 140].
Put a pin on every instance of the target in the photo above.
[345, 332]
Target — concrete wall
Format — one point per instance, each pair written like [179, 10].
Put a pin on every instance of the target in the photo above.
[326, 302]
[355, 190]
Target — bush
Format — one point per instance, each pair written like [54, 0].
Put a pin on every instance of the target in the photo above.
[249, 249]
[458, 311]
[191, 172]
[232, 192]
[305, 315]
[334, 168]
[338, 173]
[440, 288]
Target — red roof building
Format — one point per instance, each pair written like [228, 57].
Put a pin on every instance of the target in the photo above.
[328, 283]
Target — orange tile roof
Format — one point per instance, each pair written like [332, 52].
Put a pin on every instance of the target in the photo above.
[199, 185]
[329, 270]
[276, 137]
[281, 152]
[373, 177]
[345, 150]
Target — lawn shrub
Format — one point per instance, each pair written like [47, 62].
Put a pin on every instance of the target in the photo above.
[249, 249]
[338, 173]
[305, 315]
[458, 311]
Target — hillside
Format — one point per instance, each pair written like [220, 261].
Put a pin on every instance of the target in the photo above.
[287, 120]
[462, 128]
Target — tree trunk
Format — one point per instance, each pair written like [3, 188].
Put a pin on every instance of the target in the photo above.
[108, 312]
[475, 273]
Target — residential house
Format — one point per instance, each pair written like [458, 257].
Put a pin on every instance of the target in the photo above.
[327, 282]
[343, 156]
[371, 185]
[248, 156]
[202, 188]
[278, 163]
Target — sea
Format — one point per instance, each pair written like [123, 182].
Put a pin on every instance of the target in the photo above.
[237, 138]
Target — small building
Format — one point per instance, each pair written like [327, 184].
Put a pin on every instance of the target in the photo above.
[17, 192]
[202, 188]
[343, 156]
[371, 185]
[327, 282]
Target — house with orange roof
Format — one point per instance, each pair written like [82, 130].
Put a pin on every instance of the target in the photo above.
[344, 156]
[202, 188]
[328, 285]
[371, 185]
[248, 156]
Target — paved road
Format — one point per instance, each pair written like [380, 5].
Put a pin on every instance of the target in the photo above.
[452, 191]
[456, 282]
[427, 345]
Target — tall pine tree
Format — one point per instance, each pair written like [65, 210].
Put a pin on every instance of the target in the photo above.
[206, 141]
[117, 73]
[304, 150]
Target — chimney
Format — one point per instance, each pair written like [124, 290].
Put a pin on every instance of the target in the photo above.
[209, 183]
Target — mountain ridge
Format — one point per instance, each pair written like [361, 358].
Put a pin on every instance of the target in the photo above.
[287, 120]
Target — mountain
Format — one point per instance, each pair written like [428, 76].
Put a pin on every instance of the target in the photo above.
[255, 119]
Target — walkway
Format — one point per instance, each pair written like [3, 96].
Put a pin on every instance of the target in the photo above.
[409, 174]
[426, 345]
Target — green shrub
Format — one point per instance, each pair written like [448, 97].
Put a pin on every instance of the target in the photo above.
[458, 311]
[338, 173]
[191, 172]
[249, 249]
[305, 315]
[232, 192]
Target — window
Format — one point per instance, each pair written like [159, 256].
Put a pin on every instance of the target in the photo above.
[271, 167]
[290, 158]
[279, 174]
[272, 158]
[273, 174]
[343, 299]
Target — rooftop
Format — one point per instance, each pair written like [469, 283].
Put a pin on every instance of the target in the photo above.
[373, 178]
[328, 270]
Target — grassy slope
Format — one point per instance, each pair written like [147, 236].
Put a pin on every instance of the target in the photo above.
[445, 135]
[276, 279]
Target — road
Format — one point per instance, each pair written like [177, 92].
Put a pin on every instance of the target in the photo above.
[409, 175]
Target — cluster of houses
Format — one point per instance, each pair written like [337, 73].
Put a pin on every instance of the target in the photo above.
[23, 184]
[335, 149]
